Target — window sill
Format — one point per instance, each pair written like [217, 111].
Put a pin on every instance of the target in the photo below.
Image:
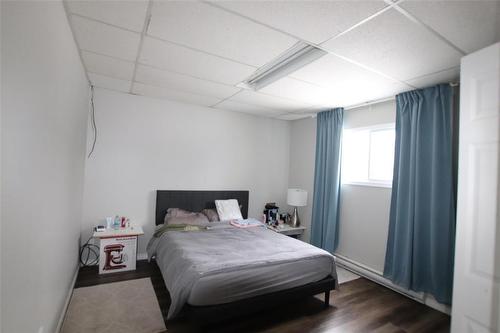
[369, 184]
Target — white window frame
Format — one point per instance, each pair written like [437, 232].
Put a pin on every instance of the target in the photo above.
[370, 183]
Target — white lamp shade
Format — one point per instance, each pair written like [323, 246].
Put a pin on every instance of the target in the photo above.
[296, 197]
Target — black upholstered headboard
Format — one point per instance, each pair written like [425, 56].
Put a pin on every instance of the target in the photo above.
[196, 201]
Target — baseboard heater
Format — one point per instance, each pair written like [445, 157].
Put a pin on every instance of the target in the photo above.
[377, 277]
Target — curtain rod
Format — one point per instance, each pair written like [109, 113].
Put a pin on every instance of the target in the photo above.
[376, 101]
[386, 99]
[360, 105]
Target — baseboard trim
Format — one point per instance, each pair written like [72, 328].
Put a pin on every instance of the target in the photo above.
[68, 299]
[377, 277]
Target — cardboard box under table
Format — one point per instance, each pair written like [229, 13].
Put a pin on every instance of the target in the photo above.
[118, 249]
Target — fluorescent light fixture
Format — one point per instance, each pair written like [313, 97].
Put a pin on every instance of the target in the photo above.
[288, 62]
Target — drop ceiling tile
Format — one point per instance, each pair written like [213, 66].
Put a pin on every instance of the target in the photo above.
[301, 91]
[315, 109]
[108, 66]
[293, 116]
[267, 101]
[126, 14]
[395, 46]
[449, 75]
[107, 82]
[182, 60]
[350, 83]
[179, 96]
[470, 25]
[216, 31]
[105, 39]
[157, 77]
[319, 20]
[246, 108]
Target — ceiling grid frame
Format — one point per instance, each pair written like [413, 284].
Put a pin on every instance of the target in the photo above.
[105, 55]
[381, 11]
[69, 14]
[143, 34]
[182, 74]
[369, 18]
[457, 68]
[284, 99]
[159, 69]
[227, 98]
[100, 21]
[79, 49]
[389, 6]
[199, 50]
[426, 27]
[147, 21]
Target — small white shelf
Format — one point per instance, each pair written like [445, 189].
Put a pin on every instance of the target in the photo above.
[120, 232]
[289, 230]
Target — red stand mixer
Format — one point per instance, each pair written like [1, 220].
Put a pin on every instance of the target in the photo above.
[114, 257]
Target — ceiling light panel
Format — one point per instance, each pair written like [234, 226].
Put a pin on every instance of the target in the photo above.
[215, 31]
[313, 21]
[267, 101]
[105, 39]
[180, 82]
[470, 25]
[125, 14]
[247, 108]
[107, 82]
[350, 83]
[291, 60]
[108, 66]
[176, 58]
[179, 96]
[396, 46]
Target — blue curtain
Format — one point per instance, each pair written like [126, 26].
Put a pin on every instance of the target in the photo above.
[421, 241]
[325, 214]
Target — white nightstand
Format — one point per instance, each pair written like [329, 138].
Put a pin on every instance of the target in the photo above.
[118, 249]
[288, 230]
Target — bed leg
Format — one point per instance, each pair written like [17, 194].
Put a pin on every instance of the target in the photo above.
[327, 298]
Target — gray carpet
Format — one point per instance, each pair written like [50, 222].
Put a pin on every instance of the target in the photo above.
[128, 306]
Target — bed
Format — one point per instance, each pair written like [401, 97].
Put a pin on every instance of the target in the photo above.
[226, 271]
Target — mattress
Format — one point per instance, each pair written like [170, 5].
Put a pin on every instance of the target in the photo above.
[226, 264]
[226, 287]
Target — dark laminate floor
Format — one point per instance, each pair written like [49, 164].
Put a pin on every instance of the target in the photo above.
[359, 306]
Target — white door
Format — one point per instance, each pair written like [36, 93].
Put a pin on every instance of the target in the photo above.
[476, 286]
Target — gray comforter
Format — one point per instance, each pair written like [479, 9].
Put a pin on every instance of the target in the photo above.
[185, 257]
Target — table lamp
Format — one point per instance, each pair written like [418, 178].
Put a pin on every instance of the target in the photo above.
[296, 198]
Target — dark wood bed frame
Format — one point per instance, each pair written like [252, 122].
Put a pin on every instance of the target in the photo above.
[198, 200]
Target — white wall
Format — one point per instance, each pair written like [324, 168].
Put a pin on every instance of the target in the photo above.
[302, 156]
[145, 144]
[43, 129]
[364, 210]
[1, 112]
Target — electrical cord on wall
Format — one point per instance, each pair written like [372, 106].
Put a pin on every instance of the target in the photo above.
[92, 119]
[86, 251]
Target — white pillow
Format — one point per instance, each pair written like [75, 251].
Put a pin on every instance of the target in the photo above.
[228, 210]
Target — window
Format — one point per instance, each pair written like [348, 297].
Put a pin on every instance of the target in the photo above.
[368, 155]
